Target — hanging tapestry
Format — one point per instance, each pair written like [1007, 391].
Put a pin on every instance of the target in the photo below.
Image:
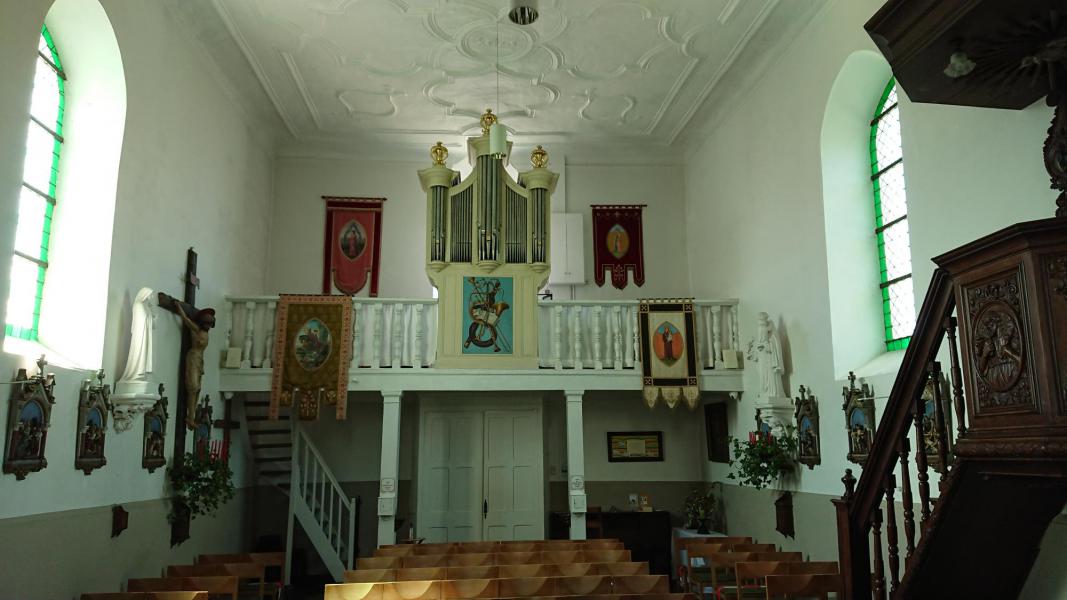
[617, 244]
[352, 245]
[312, 350]
[668, 352]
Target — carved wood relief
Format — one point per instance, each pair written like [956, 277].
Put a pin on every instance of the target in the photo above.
[1057, 277]
[999, 346]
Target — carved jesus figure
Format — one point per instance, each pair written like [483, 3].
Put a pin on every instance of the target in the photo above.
[766, 352]
[198, 327]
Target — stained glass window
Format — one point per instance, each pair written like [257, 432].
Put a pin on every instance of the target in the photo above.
[37, 198]
[891, 221]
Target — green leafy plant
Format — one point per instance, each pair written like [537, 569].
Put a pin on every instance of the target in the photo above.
[698, 506]
[763, 458]
[201, 481]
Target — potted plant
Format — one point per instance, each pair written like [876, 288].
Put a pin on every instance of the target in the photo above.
[201, 481]
[763, 458]
[697, 509]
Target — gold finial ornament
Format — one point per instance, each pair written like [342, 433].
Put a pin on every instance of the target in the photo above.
[487, 121]
[438, 153]
[539, 157]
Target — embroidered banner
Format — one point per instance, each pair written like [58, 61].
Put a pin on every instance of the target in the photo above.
[312, 350]
[617, 244]
[668, 352]
[352, 244]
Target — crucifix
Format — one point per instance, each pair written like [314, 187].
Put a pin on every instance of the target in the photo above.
[195, 326]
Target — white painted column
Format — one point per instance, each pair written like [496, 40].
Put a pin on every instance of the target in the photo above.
[576, 464]
[388, 484]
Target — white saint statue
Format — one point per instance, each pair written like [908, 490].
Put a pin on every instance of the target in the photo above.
[766, 351]
[134, 391]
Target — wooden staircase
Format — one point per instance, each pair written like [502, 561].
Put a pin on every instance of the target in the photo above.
[1005, 463]
[271, 443]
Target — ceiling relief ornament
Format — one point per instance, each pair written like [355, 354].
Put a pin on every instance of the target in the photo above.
[998, 346]
[333, 68]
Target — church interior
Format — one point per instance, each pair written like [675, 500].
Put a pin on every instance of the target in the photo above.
[450, 299]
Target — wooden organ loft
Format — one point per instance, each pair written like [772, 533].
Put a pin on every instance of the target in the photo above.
[487, 253]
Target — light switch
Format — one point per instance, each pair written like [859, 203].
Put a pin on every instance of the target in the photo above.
[386, 507]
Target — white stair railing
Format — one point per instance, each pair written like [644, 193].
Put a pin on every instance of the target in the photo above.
[326, 513]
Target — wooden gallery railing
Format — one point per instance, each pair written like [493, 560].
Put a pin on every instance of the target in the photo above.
[861, 518]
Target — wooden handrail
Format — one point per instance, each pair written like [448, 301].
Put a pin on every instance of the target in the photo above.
[862, 504]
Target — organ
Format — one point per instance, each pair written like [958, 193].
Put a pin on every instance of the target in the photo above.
[487, 253]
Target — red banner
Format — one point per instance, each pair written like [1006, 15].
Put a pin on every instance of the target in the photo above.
[352, 244]
[617, 244]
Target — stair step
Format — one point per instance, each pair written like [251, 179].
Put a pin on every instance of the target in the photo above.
[273, 459]
[269, 431]
[271, 472]
[274, 445]
[266, 418]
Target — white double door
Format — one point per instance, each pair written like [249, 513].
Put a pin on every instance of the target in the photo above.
[481, 475]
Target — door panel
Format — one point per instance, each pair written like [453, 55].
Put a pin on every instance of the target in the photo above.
[450, 485]
[514, 475]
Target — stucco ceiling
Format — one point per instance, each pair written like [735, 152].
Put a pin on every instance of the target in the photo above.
[607, 71]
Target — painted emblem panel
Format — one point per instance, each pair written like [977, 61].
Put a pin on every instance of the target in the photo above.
[487, 315]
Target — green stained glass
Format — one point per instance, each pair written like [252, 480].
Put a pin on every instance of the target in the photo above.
[891, 221]
[44, 141]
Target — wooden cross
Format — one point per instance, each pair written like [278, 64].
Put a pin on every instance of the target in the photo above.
[180, 528]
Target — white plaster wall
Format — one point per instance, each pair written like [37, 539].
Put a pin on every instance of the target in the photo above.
[754, 207]
[191, 174]
[300, 183]
[625, 411]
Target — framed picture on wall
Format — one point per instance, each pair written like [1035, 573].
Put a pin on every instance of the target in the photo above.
[717, 432]
[635, 446]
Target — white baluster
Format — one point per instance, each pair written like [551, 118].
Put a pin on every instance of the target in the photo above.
[735, 331]
[416, 347]
[397, 329]
[616, 336]
[357, 333]
[576, 333]
[377, 342]
[598, 364]
[229, 330]
[268, 344]
[637, 335]
[716, 336]
[246, 354]
[557, 336]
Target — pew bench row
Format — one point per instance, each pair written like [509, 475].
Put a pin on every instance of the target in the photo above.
[496, 572]
[491, 559]
[518, 587]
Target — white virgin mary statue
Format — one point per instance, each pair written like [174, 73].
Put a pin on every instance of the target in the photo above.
[766, 351]
[135, 379]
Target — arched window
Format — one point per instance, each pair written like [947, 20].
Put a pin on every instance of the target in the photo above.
[37, 199]
[891, 221]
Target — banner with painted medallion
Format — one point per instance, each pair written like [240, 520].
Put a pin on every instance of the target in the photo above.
[618, 245]
[668, 352]
[312, 351]
[352, 245]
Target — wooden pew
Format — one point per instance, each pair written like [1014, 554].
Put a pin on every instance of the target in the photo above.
[245, 571]
[519, 587]
[699, 576]
[495, 572]
[751, 576]
[146, 596]
[806, 586]
[723, 564]
[496, 547]
[214, 585]
[274, 561]
[490, 559]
